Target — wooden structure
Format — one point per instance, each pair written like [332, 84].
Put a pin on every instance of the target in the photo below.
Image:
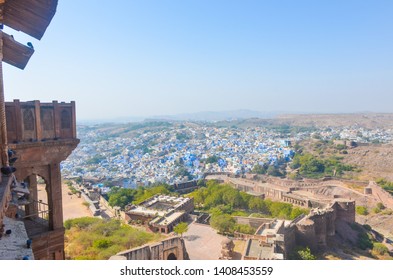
[31, 17]
[41, 134]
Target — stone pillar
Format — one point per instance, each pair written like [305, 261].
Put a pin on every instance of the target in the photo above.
[18, 120]
[56, 118]
[32, 208]
[55, 197]
[37, 113]
[3, 127]
[73, 125]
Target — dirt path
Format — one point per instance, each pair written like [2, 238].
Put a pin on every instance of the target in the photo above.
[72, 205]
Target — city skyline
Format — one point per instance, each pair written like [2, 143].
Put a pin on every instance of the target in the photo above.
[162, 58]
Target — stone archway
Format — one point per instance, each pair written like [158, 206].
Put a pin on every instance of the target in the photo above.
[171, 256]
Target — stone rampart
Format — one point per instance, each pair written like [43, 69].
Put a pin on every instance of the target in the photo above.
[168, 249]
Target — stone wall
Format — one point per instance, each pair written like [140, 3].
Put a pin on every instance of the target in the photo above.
[164, 250]
[385, 197]
[315, 229]
[186, 187]
[253, 222]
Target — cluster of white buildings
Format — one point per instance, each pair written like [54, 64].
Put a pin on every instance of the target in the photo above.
[184, 151]
[164, 155]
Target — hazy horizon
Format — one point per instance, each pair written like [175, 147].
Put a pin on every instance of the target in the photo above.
[162, 58]
[215, 116]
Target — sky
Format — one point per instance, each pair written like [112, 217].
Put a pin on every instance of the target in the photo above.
[158, 57]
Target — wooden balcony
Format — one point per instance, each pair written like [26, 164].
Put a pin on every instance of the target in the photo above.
[34, 121]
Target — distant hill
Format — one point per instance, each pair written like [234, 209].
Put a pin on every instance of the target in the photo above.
[366, 120]
[209, 116]
[219, 116]
[248, 118]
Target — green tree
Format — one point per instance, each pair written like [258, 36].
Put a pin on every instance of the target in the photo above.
[223, 223]
[181, 228]
[280, 209]
[296, 211]
[145, 193]
[257, 204]
[201, 183]
[183, 172]
[79, 180]
[247, 229]
[232, 197]
[364, 241]
[120, 196]
[259, 169]
[212, 159]
[305, 254]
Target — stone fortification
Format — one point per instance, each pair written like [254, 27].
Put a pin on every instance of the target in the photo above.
[168, 249]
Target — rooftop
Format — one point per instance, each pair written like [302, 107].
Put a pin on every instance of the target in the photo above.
[13, 246]
[261, 251]
[159, 205]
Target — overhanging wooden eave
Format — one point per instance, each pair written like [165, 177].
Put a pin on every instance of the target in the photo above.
[29, 16]
[15, 53]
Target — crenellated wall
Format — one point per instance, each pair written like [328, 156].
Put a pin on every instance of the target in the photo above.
[35, 121]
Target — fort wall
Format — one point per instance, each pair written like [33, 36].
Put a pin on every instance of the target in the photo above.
[171, 248]
[253, 222]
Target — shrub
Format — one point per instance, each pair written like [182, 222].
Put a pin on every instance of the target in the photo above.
[81, 223]
[94, 238]
[380, 206]
[102, 243]
[86, 204]
[72, 189]
[247, 229]
[380, 249]
[301, 253]
[364, 241]
[376, 210]
[306, 254]
[387, 212]
[361, 210]
[367, 227]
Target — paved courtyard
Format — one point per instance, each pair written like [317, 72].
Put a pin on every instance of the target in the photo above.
[202, 242]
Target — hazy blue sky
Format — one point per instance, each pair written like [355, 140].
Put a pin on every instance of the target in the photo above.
[141, 58]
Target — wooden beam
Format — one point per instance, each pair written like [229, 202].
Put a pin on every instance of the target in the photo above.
[29, 16]
[15, 53]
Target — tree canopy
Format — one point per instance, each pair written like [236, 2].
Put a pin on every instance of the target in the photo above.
[223, 198]
[310, 166]
[181, 228]
[121, 196]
